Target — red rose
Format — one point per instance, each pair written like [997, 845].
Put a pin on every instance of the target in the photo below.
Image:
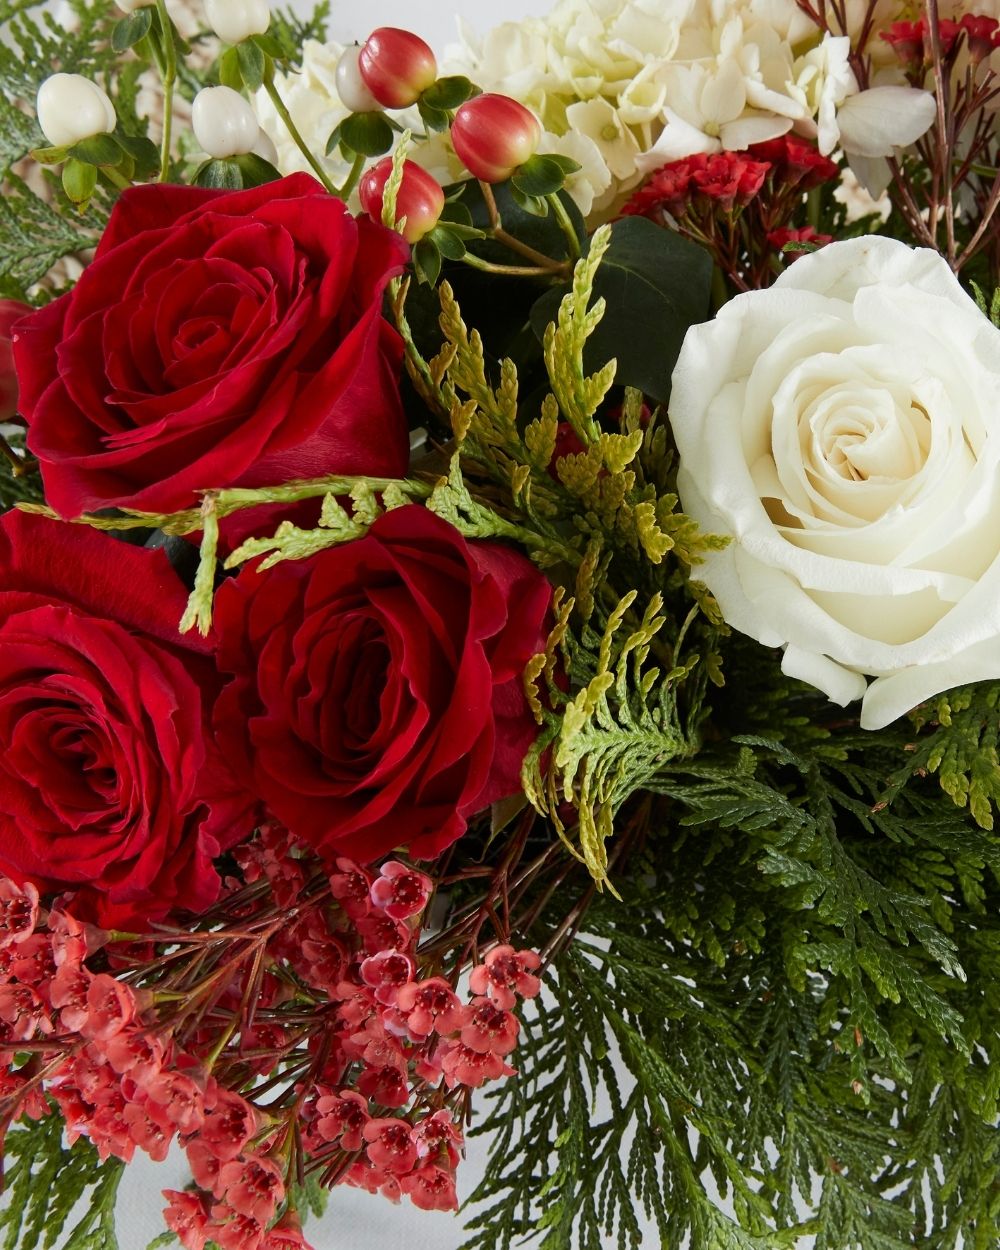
[217, 339]
[11, 310]
[110, 782]
[377, 698]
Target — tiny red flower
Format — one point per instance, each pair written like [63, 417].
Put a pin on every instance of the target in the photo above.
[438, 1138]
[390, 1145]
[804, 234]
[400, 891]
[342, 1117]
[504, 974]
[228, 1126]
[463, 1066]
[386, 973]
[489, 1029]
[430, 1006]
[431, 1188]
[253, 1187]
[18, 911]
[187, 1215]
[110, 1007]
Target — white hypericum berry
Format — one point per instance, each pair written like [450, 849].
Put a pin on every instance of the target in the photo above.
[236, 20]
[265, 149]
[397, 66]
[71, 107]
[224, 123]
[493, 135]
[351, 87]
[130, 6]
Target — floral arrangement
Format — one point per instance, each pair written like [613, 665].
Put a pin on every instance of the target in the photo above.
[499, 573]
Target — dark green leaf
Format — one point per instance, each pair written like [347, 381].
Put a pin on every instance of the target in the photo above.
[433, 118]
[131, 29]
[223, 175]
[49, 156]
[540, 175]
[79, 181]
[269, 46]
[533, 205]
[448, 93]
[334, 139]
[229, 69]
[100, 150]
[448, 241]
[427, 261]
[542, 233]
[143, 152]
[255, 170]
[368, 134]
[656, 285]
[252, 63]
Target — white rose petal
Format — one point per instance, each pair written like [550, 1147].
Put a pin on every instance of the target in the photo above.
[843, 427]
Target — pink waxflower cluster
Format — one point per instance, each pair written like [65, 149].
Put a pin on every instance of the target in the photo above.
[142, 1042]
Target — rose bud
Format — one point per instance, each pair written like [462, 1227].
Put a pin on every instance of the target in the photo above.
[493, 135]
[10, 311]
[236, 20]
[351, 87]
[420, 199]
[397, 66]
[224, 123]
[71, 107]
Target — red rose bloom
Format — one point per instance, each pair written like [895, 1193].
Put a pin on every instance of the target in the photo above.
[217, 339]
[377, 697]
[109, 780]
[11, 310]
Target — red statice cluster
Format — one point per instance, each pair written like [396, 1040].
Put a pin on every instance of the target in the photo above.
[742, 206]
[297, 1031]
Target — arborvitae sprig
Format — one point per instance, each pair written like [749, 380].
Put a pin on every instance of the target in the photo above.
[43, 1182]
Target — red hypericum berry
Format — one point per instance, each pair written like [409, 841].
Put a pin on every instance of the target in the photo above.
[493, 135]
[420, 198]
[396, 66]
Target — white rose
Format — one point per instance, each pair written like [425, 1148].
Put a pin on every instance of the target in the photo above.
[844, 428]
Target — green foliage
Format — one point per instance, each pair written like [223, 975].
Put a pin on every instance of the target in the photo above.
[43, 1182]
[956, 738]
[35, 234]
[292, 31]
[801, 987]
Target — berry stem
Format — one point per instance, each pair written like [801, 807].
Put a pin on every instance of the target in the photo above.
[513, 244]
[300, 143]
[351, 181]
[169, 76]
[563, 218]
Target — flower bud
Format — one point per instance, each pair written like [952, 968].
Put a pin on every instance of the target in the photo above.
[420, 199]
[351, 87]
[11, 310]
[493, 135]
[236, 20]
[224, 123]
[396, 66]
[71, 107]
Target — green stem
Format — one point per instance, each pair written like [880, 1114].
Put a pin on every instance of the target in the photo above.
[169, 79]
[300, 143]
[511, 271]
[115, 178]
[351, 181]
[565, 224]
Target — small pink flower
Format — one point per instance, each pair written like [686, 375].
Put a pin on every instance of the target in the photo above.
[380, 932]
[110, 1007]
[68, 992]
[365, 1175]
[230, 1231]
[400, 891]
[350, 886]
[32, 962]
[146, 1132]
[228, 1126]
[385, 1085]
[504, 974]
[489, 1029]
[438, 1138]
[286, 1235]
[187, 1215]
[253, 1187]
[18, 911]
[204, 1164]
[430, 1006]
[342, 1117]
[390, 1146]
[136, 1052]
[176, 1101]
[431, 1188]
[22, 1013]
[386, 973]
[464, 1066]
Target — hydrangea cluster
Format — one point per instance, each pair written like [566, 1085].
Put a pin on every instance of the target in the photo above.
[302, 1032]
